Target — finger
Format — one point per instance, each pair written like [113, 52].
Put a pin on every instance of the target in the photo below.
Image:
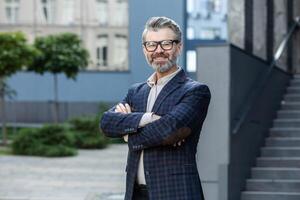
[128, 108]
[118, 109]
[179, 143]
[122, 107]
[183, 140]
[125, 137]
[174, 145]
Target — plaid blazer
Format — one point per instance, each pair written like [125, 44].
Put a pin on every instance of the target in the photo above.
[170, 172]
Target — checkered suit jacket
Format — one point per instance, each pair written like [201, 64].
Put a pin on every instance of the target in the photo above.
[170, 172]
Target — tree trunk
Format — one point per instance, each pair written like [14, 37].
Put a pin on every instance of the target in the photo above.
[56, 106]
[2, 110]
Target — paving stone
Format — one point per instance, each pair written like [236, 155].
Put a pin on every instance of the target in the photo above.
[90, 174]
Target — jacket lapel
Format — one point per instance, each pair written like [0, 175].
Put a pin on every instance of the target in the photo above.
[172, 85]
[145, 94]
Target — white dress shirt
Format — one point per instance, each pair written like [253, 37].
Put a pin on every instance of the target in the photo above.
[148, 117]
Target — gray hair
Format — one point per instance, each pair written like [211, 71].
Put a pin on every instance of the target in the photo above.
[156, 23]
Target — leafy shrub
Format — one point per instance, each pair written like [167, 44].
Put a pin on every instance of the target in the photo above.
[86, 123]
[56, 135]
[50, 141]
[11, 132]
[87, 134]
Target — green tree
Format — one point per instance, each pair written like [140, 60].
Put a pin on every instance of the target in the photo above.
[60, 53]
[15, 53]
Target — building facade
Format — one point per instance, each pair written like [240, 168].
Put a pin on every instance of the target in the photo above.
[104, 31]
[206, 22]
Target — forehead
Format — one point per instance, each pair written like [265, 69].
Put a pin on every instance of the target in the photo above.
[160, 34]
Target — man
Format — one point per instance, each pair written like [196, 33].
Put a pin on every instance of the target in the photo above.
[161, 119]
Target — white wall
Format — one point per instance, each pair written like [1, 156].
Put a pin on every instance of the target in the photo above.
[213, 148]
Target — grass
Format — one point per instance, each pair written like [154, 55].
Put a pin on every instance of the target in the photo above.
[5, 150]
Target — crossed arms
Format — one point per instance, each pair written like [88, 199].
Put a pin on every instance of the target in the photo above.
[168, 129]
[146, 119]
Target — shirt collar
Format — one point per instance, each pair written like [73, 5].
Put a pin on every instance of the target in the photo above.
[162, 81]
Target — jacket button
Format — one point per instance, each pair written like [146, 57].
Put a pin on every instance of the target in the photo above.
[147, 173]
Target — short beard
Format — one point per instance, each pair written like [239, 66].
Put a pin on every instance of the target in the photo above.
[166, 67]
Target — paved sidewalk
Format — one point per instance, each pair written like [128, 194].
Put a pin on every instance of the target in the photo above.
[92, 174]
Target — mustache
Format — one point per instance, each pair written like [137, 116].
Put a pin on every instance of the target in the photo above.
[164, 55]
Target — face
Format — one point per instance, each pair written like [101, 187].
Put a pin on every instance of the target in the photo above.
[162, 60]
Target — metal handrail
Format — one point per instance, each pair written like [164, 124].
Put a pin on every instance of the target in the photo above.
[254, 95]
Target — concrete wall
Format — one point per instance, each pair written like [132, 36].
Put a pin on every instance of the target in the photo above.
[38, 112]
[213, 147]
[280, 29]
[260, 28]
[296, 41]
[236, 22]
[236, 28]
[89, 86]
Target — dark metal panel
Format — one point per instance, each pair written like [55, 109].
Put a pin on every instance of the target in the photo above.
[290, 20]
[249, 26]
[246, 72]
[270, 30]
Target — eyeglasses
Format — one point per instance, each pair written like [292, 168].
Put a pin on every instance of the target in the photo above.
[151, 46]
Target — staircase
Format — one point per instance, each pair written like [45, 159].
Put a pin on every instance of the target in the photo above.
[277, 172]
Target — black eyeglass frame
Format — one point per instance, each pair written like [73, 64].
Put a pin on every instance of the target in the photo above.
[160, 44]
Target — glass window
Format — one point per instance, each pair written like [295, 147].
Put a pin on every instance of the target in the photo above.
[102, 12]
[190, 33]
[214, 6]
[12, 10]
[206, 19]
[210, 33]
[120, 51]
[191, 61]
[190, 6]
[101, 50]
[48, 10]
[121, 15]
[68, 14]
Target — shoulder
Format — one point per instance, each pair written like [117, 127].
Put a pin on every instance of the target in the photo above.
[192, 85]
[137, 87]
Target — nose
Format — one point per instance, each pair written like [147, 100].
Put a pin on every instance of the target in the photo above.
[159, 49]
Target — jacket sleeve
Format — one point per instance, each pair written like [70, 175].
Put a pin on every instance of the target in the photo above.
[175, 125]
[115, 124]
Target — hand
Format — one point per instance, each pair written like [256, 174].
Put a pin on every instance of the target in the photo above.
[123, 108]
[177, 144]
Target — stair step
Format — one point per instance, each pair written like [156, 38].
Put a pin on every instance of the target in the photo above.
[285, 132]
[283, 141]
[278, 162]
[292, 97]
[293, 90]
[290, 106]
[296, 76]
[256, 195]
[287, 122]
[295, 83]
[273, 185]
[275, 173]
[288, 114]
[280, 151]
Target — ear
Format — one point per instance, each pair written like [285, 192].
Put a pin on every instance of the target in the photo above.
[179, 48]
